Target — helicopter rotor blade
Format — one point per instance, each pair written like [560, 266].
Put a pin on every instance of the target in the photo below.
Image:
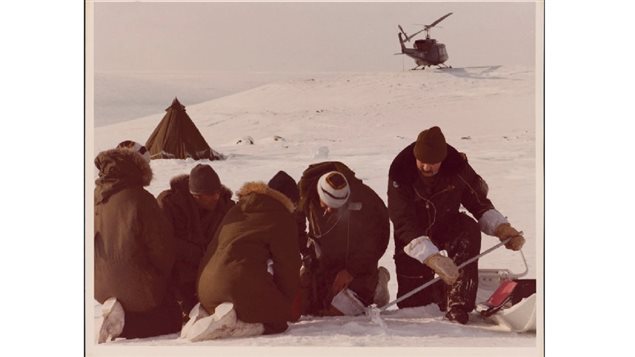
[427, 27]
[408, 37]
[416, 33]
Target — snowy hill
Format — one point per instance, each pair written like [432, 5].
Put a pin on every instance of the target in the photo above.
[364, 120]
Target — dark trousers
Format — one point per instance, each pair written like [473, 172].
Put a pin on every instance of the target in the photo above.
[187, 298]
[460, 236]
[272, 328]
[316, 288]
[162, 320]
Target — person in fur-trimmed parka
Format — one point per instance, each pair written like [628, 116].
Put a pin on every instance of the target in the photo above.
[134, 250]
[195, 204]
[261, 227]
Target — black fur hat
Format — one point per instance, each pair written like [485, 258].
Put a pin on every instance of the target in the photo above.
[286, 184]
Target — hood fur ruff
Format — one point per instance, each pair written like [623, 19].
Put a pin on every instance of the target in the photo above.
[180, 181]
[125, 155]
[262, 188]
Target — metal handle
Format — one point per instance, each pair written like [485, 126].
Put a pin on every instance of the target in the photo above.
[526, 266]
[469, 261]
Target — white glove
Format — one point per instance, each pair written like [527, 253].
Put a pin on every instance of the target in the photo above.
[421, 248]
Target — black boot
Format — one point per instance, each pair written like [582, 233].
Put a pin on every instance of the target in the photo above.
[458, 314]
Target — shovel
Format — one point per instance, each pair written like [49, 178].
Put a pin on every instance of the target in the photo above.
[374, 312]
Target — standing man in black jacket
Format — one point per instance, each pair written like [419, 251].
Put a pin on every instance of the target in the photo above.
[428, 182]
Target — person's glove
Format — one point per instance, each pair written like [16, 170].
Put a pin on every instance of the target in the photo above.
[504, 231]
[444, 267]
[341, 281]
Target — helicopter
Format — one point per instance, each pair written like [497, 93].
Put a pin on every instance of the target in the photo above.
[427, 52]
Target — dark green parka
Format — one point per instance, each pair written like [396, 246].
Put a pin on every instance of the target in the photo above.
[355, 239]
[193, 227]
[261, 226]
[134, 246]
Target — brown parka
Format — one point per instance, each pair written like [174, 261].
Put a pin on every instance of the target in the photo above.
[134, 246]
[193, 230]
[260, 227]
[354, 240]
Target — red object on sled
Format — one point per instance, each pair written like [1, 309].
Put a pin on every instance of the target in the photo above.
[512, 305]
[502, 294]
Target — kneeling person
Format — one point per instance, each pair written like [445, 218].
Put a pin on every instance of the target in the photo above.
[429, 181]
[349, 232]
[195, 204]
[134, 249]
[238, 295]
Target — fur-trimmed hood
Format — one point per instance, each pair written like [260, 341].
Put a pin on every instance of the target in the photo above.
[180, 182]
[262, 188]
[118, 169]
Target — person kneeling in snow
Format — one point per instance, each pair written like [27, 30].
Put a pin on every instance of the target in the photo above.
[133, 249]
[195, 205]
[428, 181]
[238, 296]
[349, 232]
[284, 183]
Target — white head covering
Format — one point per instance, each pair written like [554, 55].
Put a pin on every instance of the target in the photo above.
[333, 189]
[134, 146]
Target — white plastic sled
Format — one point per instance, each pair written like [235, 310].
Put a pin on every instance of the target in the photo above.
[508, 300]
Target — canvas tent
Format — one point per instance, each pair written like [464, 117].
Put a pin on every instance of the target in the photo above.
[176, 137]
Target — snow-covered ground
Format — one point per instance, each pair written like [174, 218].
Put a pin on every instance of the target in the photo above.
[364, 120]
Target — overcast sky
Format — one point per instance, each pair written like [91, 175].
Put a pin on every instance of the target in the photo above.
[303, 36]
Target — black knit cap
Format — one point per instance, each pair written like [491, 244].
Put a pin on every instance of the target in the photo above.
[431, 147]
[203, 180]
[286, 184]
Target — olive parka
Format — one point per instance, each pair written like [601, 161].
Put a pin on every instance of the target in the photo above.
[134, 246]
[260, 227]
[354, 238]
[193, 227]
